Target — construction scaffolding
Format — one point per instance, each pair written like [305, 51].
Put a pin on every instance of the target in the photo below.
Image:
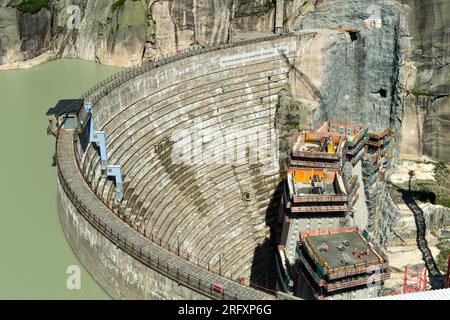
[415, 281]
[317, 191]
[327, 271]
[318, 186]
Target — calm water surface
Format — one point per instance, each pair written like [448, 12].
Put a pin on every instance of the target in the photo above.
[34, 252]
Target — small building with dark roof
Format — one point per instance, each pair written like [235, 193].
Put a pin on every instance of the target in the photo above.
[65, 113]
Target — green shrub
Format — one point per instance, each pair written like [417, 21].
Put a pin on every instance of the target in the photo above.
[32, 6]
[441, 259]
[424, 93]
[292, 124]
[116, 5]
[441, 169]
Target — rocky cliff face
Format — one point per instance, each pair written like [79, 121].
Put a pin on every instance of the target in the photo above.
[360, 79]
[123, 32]
[394, 76]
[23, 35]
[426, 105]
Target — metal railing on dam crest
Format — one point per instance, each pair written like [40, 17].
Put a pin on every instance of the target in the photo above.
[102, 88]
[169, 269]
[94, 95]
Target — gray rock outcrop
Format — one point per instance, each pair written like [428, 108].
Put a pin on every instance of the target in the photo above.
[124, 32]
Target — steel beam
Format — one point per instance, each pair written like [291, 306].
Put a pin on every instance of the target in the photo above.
[114, 171]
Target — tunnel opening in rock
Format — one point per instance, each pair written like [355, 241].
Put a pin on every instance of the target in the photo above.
[353, 36]
[382, 93]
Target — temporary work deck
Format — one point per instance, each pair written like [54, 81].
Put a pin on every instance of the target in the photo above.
[378, 135]
[340, 258]
[336, 258]
[316, 146]
[131, 241]
[342, 252]
[316, 191]
[379, 143]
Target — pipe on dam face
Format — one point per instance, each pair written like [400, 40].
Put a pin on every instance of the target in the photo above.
[196, 205]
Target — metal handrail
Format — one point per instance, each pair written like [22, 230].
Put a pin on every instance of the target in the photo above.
[121, 77]
[118, 79]
[145, 257]
[102, 88]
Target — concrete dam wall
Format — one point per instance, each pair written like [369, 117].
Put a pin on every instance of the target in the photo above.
[214, 211]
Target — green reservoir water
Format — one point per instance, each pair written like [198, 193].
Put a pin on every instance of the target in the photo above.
[34, 252]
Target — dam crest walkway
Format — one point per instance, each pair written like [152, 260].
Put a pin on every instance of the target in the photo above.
[133, 242]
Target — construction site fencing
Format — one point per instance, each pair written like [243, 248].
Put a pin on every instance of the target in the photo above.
[330, 287]
[320, 198]
[320, 209]
[359, 156]
[319, 281]
[313, 164]
[303, 234]
[316, 155]
[358, 147]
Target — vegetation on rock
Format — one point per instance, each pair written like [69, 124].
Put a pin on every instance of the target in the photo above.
[423, 93]
[116, 5]
[119, 3]
[435, 192]
[441, 259]
[258, 10]
[32, 6]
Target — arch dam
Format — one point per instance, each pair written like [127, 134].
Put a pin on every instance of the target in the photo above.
[182, 229]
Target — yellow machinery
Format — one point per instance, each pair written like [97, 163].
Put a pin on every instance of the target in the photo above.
[330, 146]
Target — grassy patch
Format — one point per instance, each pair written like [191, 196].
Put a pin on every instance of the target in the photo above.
[119, 3]
[424, 93]
[116, 5]
[430, 192]
[292, 124]
[434, 192]
[258, 11]
[444, 247]
[32, 6]
[269, 6]
[441, 170]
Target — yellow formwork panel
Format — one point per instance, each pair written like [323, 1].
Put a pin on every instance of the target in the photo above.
[305, 175]
[330, 148]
